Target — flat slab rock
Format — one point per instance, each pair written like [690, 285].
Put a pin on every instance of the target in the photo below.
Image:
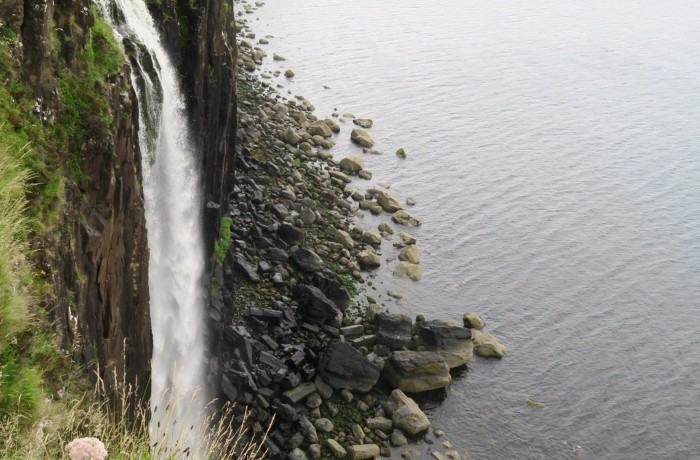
[449, 339]
[417, 371]
[393, 330]
[342, 366]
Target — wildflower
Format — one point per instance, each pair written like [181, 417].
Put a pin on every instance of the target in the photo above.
[86, 449]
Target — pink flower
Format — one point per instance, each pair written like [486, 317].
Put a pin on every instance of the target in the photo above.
[86, 449]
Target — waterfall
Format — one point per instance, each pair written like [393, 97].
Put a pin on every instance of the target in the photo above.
[172, 191]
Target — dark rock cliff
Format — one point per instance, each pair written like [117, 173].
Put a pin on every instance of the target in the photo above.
[201, 37]
[95, 252]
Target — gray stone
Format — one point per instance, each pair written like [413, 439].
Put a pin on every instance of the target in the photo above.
[364, 451]
[352, 164]
[361, 137]
[323, 425]
[313, 400]
[316, 306]
[379, 423]
[288, 73]
[371, 238]
[403, 218]
[398, 439]
[344, 238]
[393, 330]
[412, 271]
[368, 258]
[308, 260]
[291, 234]
[297, 454]
[410, 254]
[342, 366]
[295, 395]
[407, 238]
[336, 449]
[291, 137]
[473, 321]
[246, 268]
[319, 128]
[363, 122]
[325, 390]
[451, 341]
[486, 345]
[388, 202]
[308, 429]
[408, 417]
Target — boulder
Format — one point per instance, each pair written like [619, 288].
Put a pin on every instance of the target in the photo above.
[486, 345]
[344, 367]
[448, 339]
[361, 137]
[410, 254]
[368, 258]
[315, 306]
[473, 321]
[407, 238]
[393, 330]
[344, 238]
[371, 238]
[291, 137]
[408, 417]
[332, 125]
[307, 260]
[323, 425]
[413, 271]
[244, 267]
[291, 234]
[288, 73]
[332, 288]
[403, 218]
[388, 202]
[352, 164]
[416, 371]
[363, 122]
[319, 128]
[401, 153]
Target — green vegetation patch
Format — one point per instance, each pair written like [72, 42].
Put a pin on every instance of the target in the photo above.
[223, 244]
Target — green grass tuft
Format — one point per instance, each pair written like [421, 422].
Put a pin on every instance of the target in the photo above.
[223, 244]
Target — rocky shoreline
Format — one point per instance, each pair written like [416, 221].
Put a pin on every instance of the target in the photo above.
[296, 340]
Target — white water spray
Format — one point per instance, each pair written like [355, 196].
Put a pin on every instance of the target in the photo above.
[173, 219]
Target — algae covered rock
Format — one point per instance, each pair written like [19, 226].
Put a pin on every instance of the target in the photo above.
[361, 137]
[417, 371]
[486, 345]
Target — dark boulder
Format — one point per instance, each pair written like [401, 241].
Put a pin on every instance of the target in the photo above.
[307, 260]
[342, 366]
[332, 288]
[450, 340]
[393, 330]
[317, 307]
[290, 234]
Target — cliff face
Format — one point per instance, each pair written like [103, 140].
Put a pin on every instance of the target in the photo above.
[201, 37]
[96, 254]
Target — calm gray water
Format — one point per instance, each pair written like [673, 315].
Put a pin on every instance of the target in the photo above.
[553, 149]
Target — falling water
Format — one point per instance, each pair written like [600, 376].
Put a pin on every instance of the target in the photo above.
[173, 216]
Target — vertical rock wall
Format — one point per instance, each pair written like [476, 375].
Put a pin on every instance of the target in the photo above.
[96, 255]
